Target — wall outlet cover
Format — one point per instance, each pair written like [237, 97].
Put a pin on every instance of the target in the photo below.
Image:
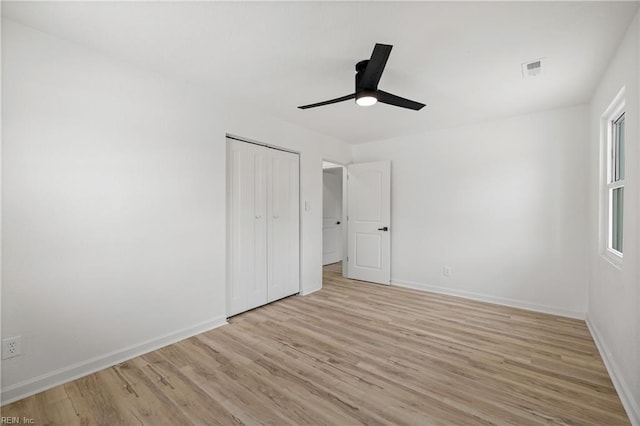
[11, 347]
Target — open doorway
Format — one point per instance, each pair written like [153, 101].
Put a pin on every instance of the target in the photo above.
[333, 223]
[357, 245]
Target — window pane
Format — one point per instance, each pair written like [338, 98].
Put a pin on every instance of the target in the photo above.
[618, 149]
[617, 207]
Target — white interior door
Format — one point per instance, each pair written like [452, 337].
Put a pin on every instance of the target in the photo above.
[331, 215]
[283, 225]
[248, 226]
[369, 219]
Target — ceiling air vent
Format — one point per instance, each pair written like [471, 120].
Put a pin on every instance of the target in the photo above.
[533, 68]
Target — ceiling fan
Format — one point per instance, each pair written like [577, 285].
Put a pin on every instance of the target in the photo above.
[368, 73]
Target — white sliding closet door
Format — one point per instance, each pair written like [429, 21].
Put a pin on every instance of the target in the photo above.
[264, 225]
[248, 226]
[283, 227]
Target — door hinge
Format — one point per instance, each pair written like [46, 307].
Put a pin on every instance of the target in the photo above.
[347, 258]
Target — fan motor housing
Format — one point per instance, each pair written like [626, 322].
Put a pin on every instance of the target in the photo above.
[360, 67]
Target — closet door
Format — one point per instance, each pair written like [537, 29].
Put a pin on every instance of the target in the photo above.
[284, 225]
[247, 226]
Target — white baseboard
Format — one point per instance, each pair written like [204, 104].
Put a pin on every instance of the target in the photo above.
[629, 403]
[66, 374]
[491, 299]
[308, 292]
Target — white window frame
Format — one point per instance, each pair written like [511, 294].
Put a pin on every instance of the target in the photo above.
[607, 183]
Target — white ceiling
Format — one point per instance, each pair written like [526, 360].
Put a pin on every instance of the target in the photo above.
[463, 59]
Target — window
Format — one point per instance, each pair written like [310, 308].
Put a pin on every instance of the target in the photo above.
[616, 184]
[613, 197]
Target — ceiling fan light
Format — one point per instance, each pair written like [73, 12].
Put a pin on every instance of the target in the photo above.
[366, 101]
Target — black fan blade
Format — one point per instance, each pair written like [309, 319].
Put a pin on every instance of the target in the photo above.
[373, 72]
[388, 98]
[332, 101]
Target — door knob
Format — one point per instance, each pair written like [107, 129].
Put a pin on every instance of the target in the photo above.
[384, 228]
[338, 223]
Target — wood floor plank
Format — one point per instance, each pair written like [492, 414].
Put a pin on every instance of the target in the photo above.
[353, 353]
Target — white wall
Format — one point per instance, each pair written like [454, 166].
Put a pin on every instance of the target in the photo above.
[614, 293]
[113, 186]
[501, 203]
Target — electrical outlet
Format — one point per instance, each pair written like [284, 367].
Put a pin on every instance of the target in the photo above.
[11, 347]
[446, 271]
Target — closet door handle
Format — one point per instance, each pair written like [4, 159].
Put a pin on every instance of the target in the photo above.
[338, 223]
[384, 228]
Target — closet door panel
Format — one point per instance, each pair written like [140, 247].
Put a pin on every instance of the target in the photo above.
[248, 226]
[284, 225]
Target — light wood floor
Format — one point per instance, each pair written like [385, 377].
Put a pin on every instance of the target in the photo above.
[353, 353]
